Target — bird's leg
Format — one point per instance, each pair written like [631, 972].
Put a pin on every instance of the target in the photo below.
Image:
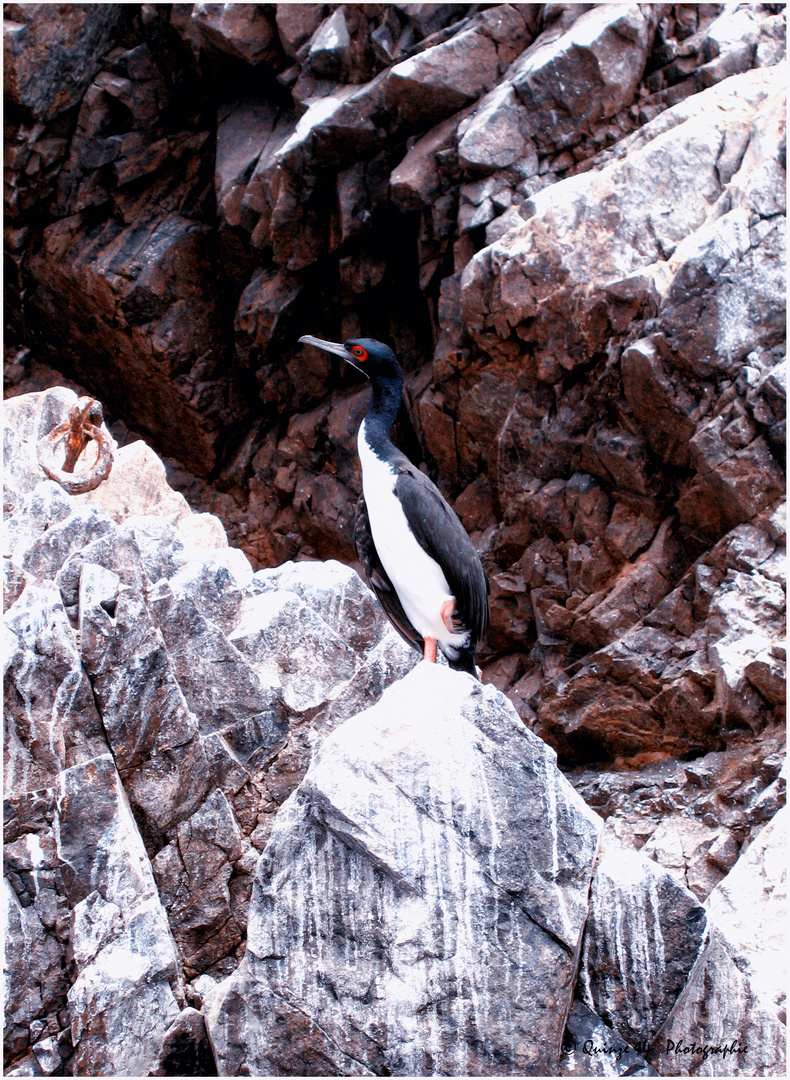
[448, 609]
[429, 652]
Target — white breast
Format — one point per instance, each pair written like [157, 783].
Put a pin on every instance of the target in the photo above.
[418, 579]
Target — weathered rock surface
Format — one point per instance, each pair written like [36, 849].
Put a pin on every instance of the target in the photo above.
[590, 1048]
[569, 221]
[470, 860]
[146, 755]
[643, 934]
[744, 1029]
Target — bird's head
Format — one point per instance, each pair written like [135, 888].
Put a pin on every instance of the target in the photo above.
[372, 358]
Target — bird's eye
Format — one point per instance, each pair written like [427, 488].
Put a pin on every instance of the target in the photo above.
[359, 352]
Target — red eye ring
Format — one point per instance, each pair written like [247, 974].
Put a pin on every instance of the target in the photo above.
[359, 352]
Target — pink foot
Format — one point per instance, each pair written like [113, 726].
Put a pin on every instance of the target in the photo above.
[447, 612]
[429, 652]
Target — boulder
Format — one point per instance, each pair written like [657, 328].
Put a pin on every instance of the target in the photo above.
[643, 934]
[141, 701]
[678, 677]
[123, 999]
[186, 1050]
[514, 278]
[570, 78]
[410, 801]
[730, 1019]
[448, 76]
[243, 33]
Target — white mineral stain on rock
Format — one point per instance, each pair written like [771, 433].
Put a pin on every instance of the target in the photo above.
[392, 880]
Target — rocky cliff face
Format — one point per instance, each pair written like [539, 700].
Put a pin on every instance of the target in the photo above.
[247, 832]
[569, 220]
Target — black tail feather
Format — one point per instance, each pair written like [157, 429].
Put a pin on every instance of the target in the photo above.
[465, 661]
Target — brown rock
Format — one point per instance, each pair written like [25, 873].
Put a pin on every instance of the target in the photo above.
[243, 131]
[586, 73]
[731, 491]
[599, 718]
[244, 32]
[448, 76]
[160, 321]
[474, 506]
[628, 531]
[296, 23]
[417, 180]
[51, 54]
[661, 408]
[329, 54]
[635, 591]
[261, 312]
[620, 459]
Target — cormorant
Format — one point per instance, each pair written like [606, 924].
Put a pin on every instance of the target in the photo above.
[416, 554]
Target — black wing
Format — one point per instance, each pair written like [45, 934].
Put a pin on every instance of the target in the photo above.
[443, 537]
[378, 580]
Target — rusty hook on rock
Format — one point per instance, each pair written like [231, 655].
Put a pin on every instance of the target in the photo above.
[83, 424]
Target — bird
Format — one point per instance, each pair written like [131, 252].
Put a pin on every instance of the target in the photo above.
[415, 553]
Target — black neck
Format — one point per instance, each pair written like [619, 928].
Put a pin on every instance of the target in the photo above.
[384, 404]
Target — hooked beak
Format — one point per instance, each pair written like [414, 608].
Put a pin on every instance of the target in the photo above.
[331, 346]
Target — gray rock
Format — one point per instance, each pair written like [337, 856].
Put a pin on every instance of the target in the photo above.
[749, 905]
[219, 685]
[186, 1050]
[192, 875]
[336, 593]
[50, 715]
[734, 1002]
[643, 935]
[45, 556]
[590, 1048]
[45, 506]
[281, 638]
[434, 804]
[36, 982]
[122, 1001]
[568, 78]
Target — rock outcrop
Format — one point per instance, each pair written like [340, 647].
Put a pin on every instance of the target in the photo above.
[157, 715]
[420, 905]
[569, 221]
[244, 833]
[744, 1030]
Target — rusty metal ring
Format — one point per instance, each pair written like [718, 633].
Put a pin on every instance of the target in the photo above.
[77, 431]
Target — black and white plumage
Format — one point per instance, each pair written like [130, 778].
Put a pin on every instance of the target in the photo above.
[415, 552]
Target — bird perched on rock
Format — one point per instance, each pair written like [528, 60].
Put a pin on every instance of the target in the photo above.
[415, 552]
